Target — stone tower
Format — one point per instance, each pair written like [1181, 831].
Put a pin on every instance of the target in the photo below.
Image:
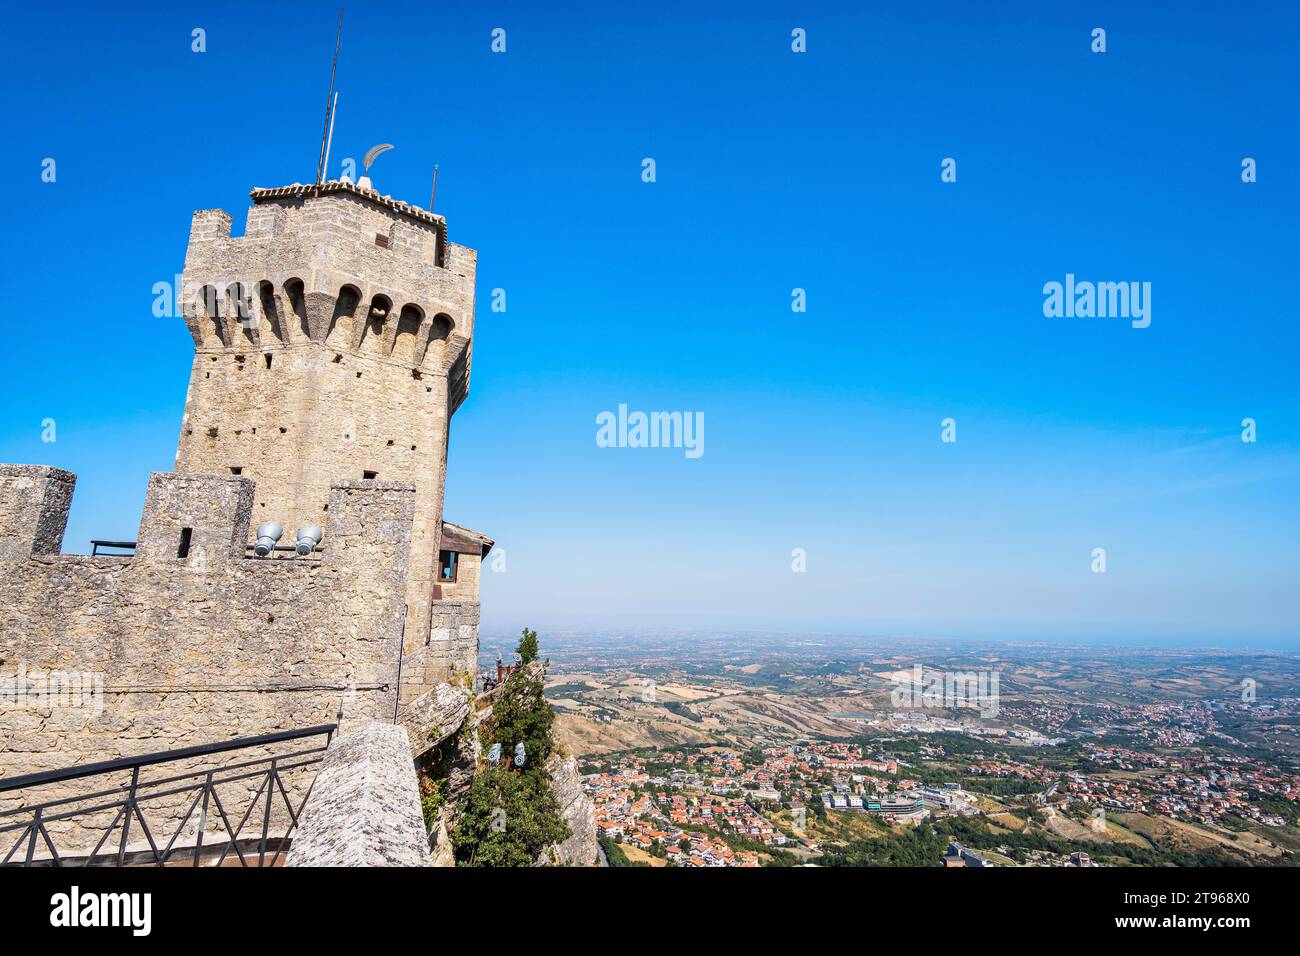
[332, 341]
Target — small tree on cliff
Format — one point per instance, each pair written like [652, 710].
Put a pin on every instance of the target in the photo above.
[511, 816]
[527, 649]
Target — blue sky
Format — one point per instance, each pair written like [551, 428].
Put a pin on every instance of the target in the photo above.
[775, 170]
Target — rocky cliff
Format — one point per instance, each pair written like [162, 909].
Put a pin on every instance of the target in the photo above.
[580, 849]
[443, 726]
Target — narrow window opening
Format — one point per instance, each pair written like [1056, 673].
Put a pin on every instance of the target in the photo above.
[358, 374]
[184, 550]
[268, 359]
[236, 469]
[369, 475]
[447, 566]
[390, 442]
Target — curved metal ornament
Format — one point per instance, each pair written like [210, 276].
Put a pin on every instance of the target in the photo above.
[373, 153]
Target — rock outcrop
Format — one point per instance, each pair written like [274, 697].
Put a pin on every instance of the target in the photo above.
[434, 716]
[446, 715]
[441, 852]
[581, 848]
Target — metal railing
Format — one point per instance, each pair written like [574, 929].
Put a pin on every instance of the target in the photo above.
[127, 801]
[97, 543]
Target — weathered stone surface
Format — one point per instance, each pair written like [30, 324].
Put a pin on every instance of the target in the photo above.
[581, 848]
[453, 630]
[333, 340]
[217, 510]
[441, 852]
[364, 808]
[206, 647]
[434, 716]
[464, 764]
[34, 503]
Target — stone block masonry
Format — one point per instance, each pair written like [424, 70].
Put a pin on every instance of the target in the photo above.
[364, 807]
[332, 340]
[34, 503]
[332, 345]
[206, 645]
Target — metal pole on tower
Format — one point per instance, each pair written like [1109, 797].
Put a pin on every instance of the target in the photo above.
[329, 102]
[330, 139]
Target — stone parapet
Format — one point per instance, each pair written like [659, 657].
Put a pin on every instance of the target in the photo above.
[34, 503]
[364, 808]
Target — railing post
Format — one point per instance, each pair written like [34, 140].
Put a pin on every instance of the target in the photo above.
[401, 653]
[266, 814]
[126, 816]
[31, 844]
[203, 818]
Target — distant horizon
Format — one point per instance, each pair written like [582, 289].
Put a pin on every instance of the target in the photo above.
[494, 632]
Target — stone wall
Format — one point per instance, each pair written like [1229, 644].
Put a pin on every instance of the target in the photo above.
[209, 646]
[364, 808]
[466, 585]
[333, 339]
[453, 641]
[34, 503]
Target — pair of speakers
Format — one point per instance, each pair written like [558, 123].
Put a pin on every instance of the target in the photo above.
[268, 533]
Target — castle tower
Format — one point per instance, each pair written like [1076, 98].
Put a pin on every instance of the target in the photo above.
[332, 341]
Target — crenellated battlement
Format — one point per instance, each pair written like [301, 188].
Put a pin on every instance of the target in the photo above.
[336, 266]
[332, 345]
[193, 639]
[198, 523]
[34, 503]
[333, 340]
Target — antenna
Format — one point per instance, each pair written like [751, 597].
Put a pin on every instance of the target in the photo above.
[330, 99]
[434, 191]
[330, 140]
